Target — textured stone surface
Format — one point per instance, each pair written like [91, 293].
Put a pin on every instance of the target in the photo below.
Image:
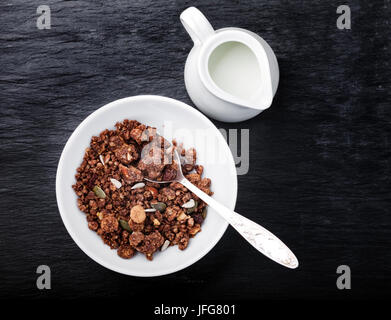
[320, 156]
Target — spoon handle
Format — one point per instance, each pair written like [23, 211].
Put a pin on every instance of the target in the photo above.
[260, 238]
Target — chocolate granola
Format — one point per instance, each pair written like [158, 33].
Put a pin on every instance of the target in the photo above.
[129, 213]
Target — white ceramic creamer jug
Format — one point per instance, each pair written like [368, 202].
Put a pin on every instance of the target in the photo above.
[231, 74]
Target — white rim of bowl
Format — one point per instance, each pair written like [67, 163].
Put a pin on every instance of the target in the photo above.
[62, 206]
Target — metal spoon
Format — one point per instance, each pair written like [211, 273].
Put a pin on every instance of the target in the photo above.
[260, 238]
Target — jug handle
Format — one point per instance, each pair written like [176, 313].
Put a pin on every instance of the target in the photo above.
[196, 25]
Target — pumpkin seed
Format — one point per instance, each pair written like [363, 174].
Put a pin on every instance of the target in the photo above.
[161, 206]
[191, 210]
[189, 204]
[165, 245]
[204, 212]
[116, 183]
[138, 185]
[99, 192]
[124, 224]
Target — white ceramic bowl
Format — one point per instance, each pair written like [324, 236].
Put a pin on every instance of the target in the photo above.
[159, 112]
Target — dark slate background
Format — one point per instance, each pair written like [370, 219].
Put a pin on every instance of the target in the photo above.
[319, 160]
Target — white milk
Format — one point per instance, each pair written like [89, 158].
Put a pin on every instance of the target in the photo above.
[235, 69]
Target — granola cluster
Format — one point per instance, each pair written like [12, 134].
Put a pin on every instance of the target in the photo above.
[129, 213]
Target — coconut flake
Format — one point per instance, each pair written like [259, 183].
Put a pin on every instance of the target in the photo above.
[165, 245]
[189, 204]
[101, 159]
[138, 185]
[116, 183]
[150, 210]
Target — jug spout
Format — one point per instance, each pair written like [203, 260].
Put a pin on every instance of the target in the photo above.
[260, 102]
[196, 25]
